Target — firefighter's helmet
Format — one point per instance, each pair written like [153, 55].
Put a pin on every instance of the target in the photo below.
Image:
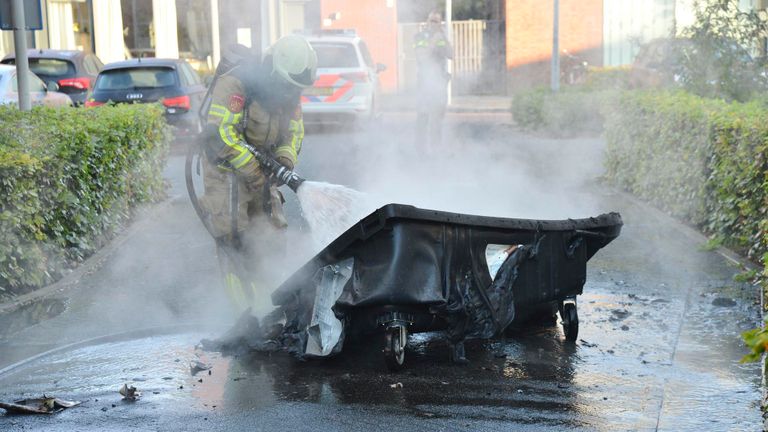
[294, 60]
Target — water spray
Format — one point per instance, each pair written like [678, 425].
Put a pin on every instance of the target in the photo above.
[329, 209]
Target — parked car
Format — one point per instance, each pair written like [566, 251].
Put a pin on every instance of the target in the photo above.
[667, 61]
[171, 82]
[40, 94]
[347, 87]
[73, 71]
[658, 63]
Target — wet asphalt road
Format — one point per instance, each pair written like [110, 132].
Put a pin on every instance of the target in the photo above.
[658, 347]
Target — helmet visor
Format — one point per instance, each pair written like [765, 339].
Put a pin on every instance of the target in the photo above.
[304, 79]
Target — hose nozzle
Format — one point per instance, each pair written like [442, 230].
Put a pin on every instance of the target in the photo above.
[288, 178]
[283, 175]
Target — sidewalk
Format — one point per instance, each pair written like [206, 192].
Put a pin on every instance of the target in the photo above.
[478, 104]
[459, 104]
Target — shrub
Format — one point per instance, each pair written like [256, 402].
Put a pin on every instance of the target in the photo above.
[607, 78]
[658, 147]
[701, 160]
[569, 112]
[68, 179]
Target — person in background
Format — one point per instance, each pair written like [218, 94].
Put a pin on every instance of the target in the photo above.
[433, 50]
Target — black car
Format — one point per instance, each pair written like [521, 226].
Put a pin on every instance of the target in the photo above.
[171, 82]
[73, 71]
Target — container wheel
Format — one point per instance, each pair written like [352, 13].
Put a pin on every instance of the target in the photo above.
[570, 321]
[394, 347]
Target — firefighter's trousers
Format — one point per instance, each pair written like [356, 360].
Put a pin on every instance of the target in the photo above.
[249, 227]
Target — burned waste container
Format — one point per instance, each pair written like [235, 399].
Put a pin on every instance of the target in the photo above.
[404, 270]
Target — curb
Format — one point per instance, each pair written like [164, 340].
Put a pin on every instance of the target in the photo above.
[114, 337]
[479, 110]
[451, 110]
[91, 264]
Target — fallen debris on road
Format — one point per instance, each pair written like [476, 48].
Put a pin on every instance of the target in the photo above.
[129, 392]
[43, 405]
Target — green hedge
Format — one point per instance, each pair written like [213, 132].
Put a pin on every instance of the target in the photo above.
[704, 161]
[68, 179]
[567, 113]
[575, 110]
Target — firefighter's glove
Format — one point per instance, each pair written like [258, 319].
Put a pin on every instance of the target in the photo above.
[284, 161]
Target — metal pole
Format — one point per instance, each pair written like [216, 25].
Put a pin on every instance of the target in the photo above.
[215, 36]
[449, 30]
[556, 48]
[22, 61]
[89, 5]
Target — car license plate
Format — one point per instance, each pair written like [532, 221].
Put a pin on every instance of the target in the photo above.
[318, 91]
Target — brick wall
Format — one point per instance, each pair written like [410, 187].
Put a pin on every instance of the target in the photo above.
[529, 37]
[376, 22]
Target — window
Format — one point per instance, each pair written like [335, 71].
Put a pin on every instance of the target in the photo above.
[89, 63]
[127, 79]
[48, 67]
[35, 85]
[366, 54]
[97, 62]
[336, 55]
[137, 22]
[183, 78]
[194, 31]
[189, 74]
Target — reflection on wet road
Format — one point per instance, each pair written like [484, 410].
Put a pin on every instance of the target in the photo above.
[627, 372]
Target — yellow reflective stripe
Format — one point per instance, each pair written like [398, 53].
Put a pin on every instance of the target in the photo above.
[421, 43]
[241, 159]
[291, 150]
[228, 132]
[218, 111]
[231, 137]
[287, 153]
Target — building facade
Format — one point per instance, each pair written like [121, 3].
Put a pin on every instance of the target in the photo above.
[195, 30]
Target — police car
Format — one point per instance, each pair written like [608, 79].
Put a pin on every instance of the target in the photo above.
[347, 87]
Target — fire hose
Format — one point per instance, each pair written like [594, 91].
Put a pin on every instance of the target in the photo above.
[281, 175]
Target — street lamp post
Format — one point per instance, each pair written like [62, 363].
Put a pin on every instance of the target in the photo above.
[449, 31]
[22, 61]
[555, 82]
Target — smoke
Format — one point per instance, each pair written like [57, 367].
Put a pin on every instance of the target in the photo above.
[167, 271]
[484, 169]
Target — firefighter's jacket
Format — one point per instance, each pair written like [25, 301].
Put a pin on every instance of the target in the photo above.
[432, 52]
[274, 128]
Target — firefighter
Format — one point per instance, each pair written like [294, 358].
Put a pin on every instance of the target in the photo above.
[257, 102]
[433, 50]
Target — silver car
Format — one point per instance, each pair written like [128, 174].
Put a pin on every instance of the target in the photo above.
[38, 92]
[347, 87]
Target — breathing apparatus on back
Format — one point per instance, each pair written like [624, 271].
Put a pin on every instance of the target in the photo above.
[233, 56]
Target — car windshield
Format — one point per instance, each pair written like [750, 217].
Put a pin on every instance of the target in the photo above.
[48, 66]
[336, 55]
[130, 78]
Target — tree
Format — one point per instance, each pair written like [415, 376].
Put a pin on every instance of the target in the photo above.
[718, 63]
